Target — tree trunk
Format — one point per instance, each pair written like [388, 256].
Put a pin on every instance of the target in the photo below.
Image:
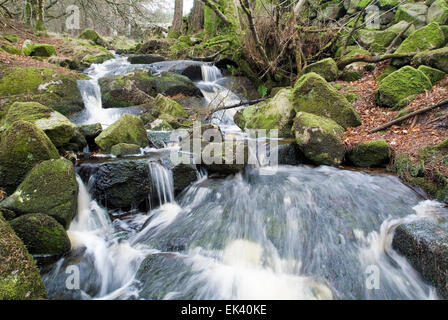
[178, 15]
[40, 15]
[197, 16]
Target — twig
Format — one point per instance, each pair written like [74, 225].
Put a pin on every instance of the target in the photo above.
[444, 103]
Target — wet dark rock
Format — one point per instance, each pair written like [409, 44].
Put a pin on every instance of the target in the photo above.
[145, 58]
[184, 175]
[290, 154]
[193, 72]
[425, 245]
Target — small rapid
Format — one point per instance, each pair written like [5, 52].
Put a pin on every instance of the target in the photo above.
[301, 233]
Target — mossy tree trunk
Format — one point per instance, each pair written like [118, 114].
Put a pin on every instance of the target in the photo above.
[40, 15]
[177, 20]
[197, 16]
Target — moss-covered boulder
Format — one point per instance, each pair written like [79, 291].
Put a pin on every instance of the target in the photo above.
[275, 113]
[168, 110]
[22, 146]
[314, 95]
[46, 86]
[11, 49]
[19, 276]
[319, 138]
[171, 84]
[438, 12]
[370, 154]
[434, 75]
[327, 68]
[50, 188]
[12, 38]
[387, 71]
[92, 35]
[400, 85]
[122, 91]
[90, 131]
[125, 149]
[376, 40]
[38, 50]
[398, 28]
[434, 58]
[145, 58]
[56, 126]
[426, 38]
[41, 234]
[412, 12]
[129, 129]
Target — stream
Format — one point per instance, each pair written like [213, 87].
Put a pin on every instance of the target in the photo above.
[301, 233]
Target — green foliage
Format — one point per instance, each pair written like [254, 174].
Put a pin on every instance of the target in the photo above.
[263, 91]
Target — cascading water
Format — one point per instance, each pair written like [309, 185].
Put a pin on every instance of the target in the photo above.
[303, 233]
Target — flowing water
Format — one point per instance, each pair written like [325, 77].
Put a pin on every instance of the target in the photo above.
[301, 233]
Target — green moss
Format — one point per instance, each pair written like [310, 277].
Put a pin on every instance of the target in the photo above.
[387, 71]
[400, 85]
[320, 139]
[438, 12]
[403, 113]
[43, 50]
[51, 188]
[167, 106]
[437, 59]
[326, 68]
[426, 38]
[275, 113]
[10, 49]
[19, 277]
[56, 126]
[125, 149]
[314, 95]
[434, 75]
[412, 12]
[129, 129]
[22, 146]
[19, 80]
[41, 234]
[89, 34]
[370, 154]
[351, 97]
[12, 38]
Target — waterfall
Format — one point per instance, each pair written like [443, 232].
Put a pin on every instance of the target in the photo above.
[210, 73]
[162, 179]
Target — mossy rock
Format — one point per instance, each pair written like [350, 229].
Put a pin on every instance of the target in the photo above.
[351, 97]
[437, 59]
[22, 146]
[370, 154]
[426, 38]
[27, 47]
[10, 49]
[129, 129]
[132, 89]
[90, 59]
[326, 68]
[387, 71]
[412, 12]
[319, 138]
[41, 234]
[438, 12]
[351, 52]
[353, 72]
[12, 38]
[400, 85]
[51, 188]
[397, 28]
[169, 110]
[171, 84]
[43, 50]
[90, 131]
[275, 113]
[19, 276]
[377, 40]
[314, 95]
[125, 149]
[56, 126]
[434, 75]
[159, 125]
[46, 86]
[92, 35]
